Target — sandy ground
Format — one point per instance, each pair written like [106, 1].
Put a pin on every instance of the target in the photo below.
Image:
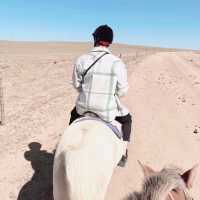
[164, 98]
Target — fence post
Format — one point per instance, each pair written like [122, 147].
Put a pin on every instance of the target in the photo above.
[2, 115]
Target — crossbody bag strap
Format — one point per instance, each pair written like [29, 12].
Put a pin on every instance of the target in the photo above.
[93, 64]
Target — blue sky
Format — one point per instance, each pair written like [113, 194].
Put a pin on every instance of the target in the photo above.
[170, 23]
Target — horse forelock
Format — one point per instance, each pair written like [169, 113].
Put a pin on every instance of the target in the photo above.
[159, 185]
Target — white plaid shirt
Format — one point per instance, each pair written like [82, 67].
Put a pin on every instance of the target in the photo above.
[103, 84]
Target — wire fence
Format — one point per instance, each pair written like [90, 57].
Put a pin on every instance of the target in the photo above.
[2, 114]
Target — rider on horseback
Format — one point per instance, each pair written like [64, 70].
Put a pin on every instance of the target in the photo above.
[101, 78]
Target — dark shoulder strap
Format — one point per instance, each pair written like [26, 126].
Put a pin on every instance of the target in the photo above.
[93, 64]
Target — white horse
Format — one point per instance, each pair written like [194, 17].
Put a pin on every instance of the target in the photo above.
[85, 159]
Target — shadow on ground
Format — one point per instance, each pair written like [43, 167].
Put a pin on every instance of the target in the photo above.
[40, 186]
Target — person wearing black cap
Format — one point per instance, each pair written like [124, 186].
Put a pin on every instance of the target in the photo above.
[101, 79]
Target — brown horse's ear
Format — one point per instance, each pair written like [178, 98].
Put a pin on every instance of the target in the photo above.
[148, 171]
[189, 176]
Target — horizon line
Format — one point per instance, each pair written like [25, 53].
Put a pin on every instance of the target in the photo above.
[115, 43]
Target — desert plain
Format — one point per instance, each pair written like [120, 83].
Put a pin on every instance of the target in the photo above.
[164, 99]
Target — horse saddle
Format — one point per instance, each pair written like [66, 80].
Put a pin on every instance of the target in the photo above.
[114, 126]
